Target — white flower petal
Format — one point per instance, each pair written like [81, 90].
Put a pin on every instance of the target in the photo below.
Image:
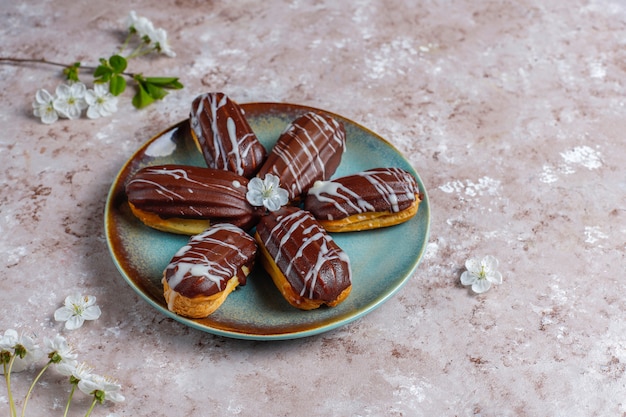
[473, 266]
[481, 285]
[74, 322]
[42, 96]
[91, 313]
[490, 263]
[468, 278]
[495, 277]
[63, 314]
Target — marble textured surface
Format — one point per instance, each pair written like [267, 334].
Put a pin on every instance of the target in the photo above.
[511, 111]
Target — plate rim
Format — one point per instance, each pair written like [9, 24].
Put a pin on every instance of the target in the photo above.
[288, 335]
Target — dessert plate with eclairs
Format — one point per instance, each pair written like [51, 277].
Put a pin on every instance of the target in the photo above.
[266, 221]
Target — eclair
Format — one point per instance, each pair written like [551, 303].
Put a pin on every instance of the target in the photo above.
[307, 266]
[187, 200]
[371, 199]
[309, 149]
[223, 135]
[204, 272]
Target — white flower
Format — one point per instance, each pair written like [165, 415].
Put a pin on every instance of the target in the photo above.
[61, 353]
[100, 101]
[267, 193]
[481, 274]
[159, 37]
[141, 25]
[103, 388]
[76, 310]
[43, 107]
[24, 348]
[8, 340]
[70, 100]
[80, 372]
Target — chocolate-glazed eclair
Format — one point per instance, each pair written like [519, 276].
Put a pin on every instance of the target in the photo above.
[305, 263]
[223, 135]
[204, 272]
[368, 200]
[309, 150]
[186, 199]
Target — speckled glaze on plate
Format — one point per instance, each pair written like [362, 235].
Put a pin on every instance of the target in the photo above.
[382, 260]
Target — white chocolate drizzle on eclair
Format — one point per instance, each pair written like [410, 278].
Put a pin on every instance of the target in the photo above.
[333, 142]
[316, 248]
[390, 186]
[220, 155]
[209, 260]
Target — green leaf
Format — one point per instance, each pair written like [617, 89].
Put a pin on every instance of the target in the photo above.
[142, 98]
[165, 82]
[102, 72]
[155, 91]
[117, 85]
[118, 63]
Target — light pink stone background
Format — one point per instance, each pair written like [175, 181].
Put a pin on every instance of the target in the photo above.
[513, 113]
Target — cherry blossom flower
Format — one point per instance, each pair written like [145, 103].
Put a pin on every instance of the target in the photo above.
[155, 37]
[100, 101]
[20, 350]
[43, 107]
[159, 38]
[101, 387]
[70, 100]
[267, 193]
[76, 310]
[481, 274]
[140, 25]
[80, 372]
[61, 353]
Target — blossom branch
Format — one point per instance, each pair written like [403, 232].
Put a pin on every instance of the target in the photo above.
[17, 61]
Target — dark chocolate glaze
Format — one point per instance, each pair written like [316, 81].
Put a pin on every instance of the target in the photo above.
[180, 191]
[315, 266]
[224, 135]
[309, 150]
[375, 190]
[210, 259]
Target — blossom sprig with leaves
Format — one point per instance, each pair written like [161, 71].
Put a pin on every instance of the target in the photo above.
[23, 349]
[109, 77]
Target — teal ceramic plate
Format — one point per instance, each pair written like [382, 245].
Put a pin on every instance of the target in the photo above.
[382, 260]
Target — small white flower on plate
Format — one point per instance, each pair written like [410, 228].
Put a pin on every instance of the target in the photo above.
[43, 107]
[70, 100]
[76, 310]
[481, 274]
[267, 192]
[100, 101]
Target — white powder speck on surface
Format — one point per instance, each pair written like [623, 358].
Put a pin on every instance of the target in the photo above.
[484, 186]
[548, 175]
[597, 70]
[593, 234]
[583, 155]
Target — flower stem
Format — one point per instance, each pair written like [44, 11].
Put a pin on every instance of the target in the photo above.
[93, 404]
[18, 61]
[69, 400]
[32, 386]
[7, 377]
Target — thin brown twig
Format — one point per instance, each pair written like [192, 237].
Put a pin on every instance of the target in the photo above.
[17, 61]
